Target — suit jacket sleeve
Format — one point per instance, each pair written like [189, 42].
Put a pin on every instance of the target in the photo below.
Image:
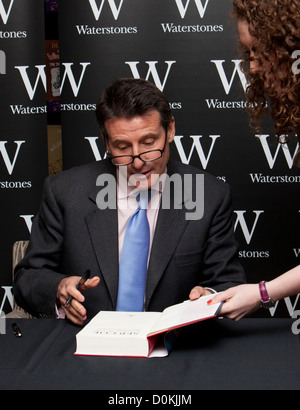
[37, 275]
[221, 267]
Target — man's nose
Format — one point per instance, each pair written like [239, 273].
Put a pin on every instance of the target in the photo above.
[137, 162]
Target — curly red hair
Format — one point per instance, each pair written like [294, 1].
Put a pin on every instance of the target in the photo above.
[275, 26]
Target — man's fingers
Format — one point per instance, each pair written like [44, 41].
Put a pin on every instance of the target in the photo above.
[75, 312]
[90, 283]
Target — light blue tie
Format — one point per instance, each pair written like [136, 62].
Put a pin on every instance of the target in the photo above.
[133, 262]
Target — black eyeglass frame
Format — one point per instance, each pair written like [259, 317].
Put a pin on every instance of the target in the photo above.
[111, 158]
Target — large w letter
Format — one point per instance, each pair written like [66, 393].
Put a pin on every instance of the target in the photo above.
[241, 220]
[114, 9]
[3, 13]
[41, 75]
[152, 70]
[271, 159]
[9, 164]
[196, 144]
[69, 73]
[226, 84]
[200, 7]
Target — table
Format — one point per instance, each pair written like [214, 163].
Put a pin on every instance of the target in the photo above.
[254, 353]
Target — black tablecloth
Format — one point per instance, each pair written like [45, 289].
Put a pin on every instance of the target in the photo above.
[216, 354]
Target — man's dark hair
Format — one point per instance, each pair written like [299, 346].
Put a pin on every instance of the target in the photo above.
[128, 98]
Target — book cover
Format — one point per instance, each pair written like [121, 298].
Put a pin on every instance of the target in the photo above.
[140, 334]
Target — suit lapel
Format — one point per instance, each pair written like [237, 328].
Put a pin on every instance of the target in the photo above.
[170, 227]
[102, 225]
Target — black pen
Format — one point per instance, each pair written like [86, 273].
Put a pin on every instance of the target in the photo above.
[16, 329]
[82, 281]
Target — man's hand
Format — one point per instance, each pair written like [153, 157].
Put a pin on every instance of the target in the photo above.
[75, 311]
[198, 291]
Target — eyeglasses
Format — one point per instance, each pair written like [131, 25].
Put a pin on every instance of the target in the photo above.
[146, 156]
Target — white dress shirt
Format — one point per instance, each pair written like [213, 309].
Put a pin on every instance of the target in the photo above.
[127, 205]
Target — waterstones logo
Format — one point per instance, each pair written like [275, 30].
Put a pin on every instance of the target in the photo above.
[194, 28]
[228, 78]
[201, 7]
[41, 78]
[152, 71]
[10, 159]
[291, 305]
[7, 302]
[259, 178]
[87, 30]
[225, 80]
[241, 221]
[10, 163]
[97, 10]
[12, 34]
[6, 294]
[280, 147]
[196, 147]
[227, 84]
[5, 13]
[28, 221]
[248, 232]
[216, 104]
[194, 7]
[21, 110]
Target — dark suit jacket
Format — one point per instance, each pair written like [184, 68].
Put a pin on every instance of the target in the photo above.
[70, 234]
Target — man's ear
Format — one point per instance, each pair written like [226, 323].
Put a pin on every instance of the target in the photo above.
[171, 130]
[105, 140]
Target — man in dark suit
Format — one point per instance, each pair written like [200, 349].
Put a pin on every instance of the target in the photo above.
[82, 218]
